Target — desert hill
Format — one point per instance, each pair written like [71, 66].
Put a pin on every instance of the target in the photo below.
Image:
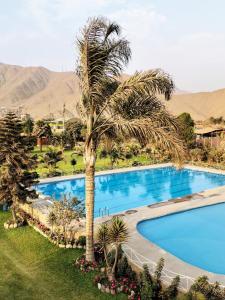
[41, 92]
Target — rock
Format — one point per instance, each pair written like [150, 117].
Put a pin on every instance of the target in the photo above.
[69, 246]
[99, 285]
[61, 246]
[6, 225]
[74, 246]
[11, 226]
[15, 225]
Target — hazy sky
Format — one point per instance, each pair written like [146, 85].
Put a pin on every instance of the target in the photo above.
[184, 37]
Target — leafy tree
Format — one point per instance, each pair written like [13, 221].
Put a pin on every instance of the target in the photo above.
[187, 126]
[210, 291]
[130, 109]
[64, 211]
[51, 158]
[74, 131]
[171, 291]
[16, 176]
[115, 154]
[73, 163]
[28, 126]
[146, 284]
[157, 285]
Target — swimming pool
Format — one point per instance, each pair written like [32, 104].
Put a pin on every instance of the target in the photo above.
[195, 236]
[126, 190]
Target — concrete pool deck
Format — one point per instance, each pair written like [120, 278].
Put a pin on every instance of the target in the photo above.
[138, 249]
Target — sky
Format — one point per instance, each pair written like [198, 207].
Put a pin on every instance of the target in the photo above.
[186, 38]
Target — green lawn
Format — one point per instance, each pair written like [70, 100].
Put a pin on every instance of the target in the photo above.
[102, 164]
[32, 268]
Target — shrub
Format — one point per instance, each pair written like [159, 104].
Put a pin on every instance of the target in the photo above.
[81, 241]
[210, 291]
[171, 291]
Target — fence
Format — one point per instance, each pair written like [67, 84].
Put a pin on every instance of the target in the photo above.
[167, 275]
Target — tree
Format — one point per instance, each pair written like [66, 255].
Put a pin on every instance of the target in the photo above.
[103, 239]
[146, 284]
[42, 130]
[28, 126]
[118, 234]
[74, 131]
[171, 291]
[73, 163]
[51, 158]
[64, 211]
[187, 127]
[130, 108]
[112, 234]
[16, 178]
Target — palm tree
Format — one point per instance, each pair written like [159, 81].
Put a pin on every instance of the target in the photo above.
[103, 239]
[118, 234]
[42, 130]
[130, 108]
[113, 235]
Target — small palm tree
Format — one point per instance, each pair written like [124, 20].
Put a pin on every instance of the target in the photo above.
[103, 239]
[42, 130]
[111, 236]
[130, 108]
[118, 235]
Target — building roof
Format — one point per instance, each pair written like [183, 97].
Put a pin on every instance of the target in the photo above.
[205, 130]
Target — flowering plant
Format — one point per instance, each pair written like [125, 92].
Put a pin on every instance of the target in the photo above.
[84, 265]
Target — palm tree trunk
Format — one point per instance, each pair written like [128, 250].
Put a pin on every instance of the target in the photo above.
[89, 203]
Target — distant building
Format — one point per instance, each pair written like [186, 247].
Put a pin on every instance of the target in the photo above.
[210, 135]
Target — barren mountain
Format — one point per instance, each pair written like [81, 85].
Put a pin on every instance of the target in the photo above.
[41, 92]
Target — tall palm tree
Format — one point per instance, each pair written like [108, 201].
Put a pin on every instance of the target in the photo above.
[130, 108]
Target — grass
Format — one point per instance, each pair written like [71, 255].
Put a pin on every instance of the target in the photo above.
[101, 164]
[32, 268]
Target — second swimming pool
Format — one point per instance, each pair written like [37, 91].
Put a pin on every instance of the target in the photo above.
[196, 236]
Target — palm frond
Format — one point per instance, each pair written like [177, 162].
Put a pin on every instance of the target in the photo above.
[102, 236]
[102, 54]
[149, 83]
[118, 231]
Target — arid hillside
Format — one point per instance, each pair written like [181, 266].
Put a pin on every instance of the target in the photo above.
[41, 92]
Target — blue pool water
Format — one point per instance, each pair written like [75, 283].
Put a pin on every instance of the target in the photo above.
[123, 191]
[196, 236]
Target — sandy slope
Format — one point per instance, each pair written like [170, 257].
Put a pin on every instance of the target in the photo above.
[41, 92]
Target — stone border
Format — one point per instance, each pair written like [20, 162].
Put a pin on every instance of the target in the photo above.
[106, 172]
[129, 169]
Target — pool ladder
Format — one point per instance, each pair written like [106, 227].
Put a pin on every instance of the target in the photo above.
[103, 212]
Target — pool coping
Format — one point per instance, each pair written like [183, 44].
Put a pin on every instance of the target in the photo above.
[105, 172]
[129, 169]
